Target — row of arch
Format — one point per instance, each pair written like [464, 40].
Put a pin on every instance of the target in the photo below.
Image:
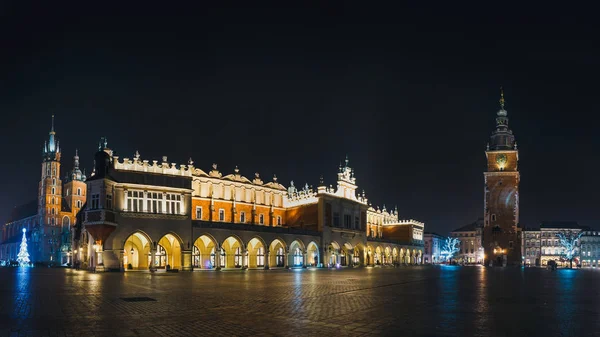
[207, 253]
[140, 252]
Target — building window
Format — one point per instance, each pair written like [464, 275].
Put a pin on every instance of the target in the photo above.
[198, 213]
[278, 220]
[154, 202]
[336, 219]
[54, 181]
[221, 215]
[135, 201]
[109, 203]
[173, 203]
[79, 191]
[53, 190]
[243, 217]
[280, 257]
[52, 201]
[260, 257]
[261, 219]
[238, 259]
[67, 193]
[196, 257]
[347, 221]
[95, 201]
[298, 257]
[493, 217]
[78, 203]
[356, 222]
[52, 211]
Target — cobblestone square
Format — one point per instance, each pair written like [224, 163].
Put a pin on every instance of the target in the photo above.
[405, 301]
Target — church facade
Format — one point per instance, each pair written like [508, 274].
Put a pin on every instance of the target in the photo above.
[48, 220]
[143, 214]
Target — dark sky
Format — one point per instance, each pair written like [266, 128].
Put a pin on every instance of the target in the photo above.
[409, 93]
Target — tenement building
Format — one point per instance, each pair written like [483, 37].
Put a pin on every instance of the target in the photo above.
[143, 214]
[48, 219]
[542, 245]
[501, 234]
[432, 248]
[469, 236]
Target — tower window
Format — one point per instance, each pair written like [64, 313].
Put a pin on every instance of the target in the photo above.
[54, 181]
[493, 217]
[79, 191]
[53, 190]
[78, 203]
[278, 220]
[67, 193]
[109, 204]
[95, 201]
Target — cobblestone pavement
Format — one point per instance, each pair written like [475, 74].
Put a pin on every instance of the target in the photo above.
[405, 301]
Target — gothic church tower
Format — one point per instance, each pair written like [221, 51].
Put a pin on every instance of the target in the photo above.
[50, 187]
[501, 242]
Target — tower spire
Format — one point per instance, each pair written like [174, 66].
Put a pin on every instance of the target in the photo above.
[52, 129]
[502, 98]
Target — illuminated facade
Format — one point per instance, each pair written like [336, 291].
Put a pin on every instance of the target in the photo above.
[501, 234]
[432, 248]
[49, 219]
[531, 247]
[151, 215]
[590, 249]
[470, 238]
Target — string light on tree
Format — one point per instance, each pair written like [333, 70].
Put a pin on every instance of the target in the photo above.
[449, 248]
[23, 256]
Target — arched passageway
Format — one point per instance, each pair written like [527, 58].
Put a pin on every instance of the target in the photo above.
[313, 258]
[297, 254]
[256, 253]
[204, 253]
[232, 253]
[136, 251]
[168, 253]
[277, 254]
[378, 256]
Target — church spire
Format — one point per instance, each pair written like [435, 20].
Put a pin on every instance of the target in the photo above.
[51, 147]
[502, 138]
[501, 98]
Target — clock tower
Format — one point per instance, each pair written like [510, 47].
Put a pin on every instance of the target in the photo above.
[501, 237]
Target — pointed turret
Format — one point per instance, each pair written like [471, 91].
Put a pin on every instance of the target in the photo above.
[51, 149]
[502, 138]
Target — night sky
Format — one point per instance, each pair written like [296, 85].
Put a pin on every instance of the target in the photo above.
[408, 93]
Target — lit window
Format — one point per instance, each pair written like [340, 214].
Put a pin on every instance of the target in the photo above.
[221, 215]
[260, 257]
[78, 203]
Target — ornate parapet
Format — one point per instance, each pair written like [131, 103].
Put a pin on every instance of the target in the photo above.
[136, 164]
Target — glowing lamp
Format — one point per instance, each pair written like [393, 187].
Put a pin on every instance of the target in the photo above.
[24, 230]
[131, 251]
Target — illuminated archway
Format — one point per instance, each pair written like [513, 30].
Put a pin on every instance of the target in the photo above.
[203, 252]
[232, 253]
[359, 255]
[370, 255]
[136, 251]
[256, 253]
[395, 255]
[378, 256]
[387, 256]
[277, 253]
[168, 252]
[313, 257]
[297, 254]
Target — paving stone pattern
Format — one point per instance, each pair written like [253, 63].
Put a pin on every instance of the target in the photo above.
[405, 301]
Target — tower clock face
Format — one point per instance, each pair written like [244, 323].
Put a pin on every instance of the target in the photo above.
[501, 159]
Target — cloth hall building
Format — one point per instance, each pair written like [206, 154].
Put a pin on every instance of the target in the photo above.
[143, 214]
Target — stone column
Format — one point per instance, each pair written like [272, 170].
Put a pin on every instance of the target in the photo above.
[152, 256]
[304, 257]
[121, 267]
[350, 258]
[245, 259]
[186, 260]
[267, 258]
[286, 259]
[217, 265]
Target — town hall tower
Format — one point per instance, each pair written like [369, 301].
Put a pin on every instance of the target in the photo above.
[501, 240]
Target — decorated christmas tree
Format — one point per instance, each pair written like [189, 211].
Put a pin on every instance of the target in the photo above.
[23, 256]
